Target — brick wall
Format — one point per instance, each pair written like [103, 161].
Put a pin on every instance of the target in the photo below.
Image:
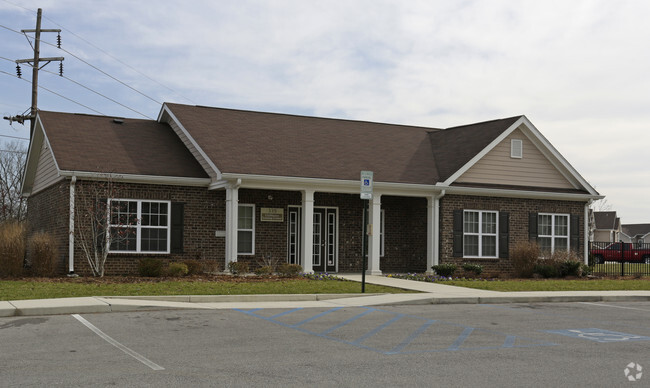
[48, 211]
[204, 213]
[519, 210]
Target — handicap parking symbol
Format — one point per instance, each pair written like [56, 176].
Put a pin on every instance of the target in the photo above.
[600, 335]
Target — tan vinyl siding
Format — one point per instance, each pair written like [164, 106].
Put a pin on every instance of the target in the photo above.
[186, 141]
[46, 171]
[533, 169]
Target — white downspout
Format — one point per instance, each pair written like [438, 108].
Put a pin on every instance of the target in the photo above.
[73, 181]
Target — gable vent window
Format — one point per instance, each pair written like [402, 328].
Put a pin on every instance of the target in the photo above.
[516, 149]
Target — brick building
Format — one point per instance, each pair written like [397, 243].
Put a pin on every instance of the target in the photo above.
[222, 185]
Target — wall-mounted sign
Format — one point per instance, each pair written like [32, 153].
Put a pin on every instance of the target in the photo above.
[268, 214]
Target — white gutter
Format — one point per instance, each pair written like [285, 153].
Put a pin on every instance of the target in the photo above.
[133, 178]
[71, 227]
[273, 182]
[530, 194]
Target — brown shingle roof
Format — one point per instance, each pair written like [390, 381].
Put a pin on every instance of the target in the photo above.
[98, 144]
[456, 146]
[606, 220]
[260, 143]
[633, 230]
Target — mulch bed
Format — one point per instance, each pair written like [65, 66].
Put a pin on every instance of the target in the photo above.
[138, 279]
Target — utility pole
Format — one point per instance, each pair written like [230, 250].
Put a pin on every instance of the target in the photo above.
[35, 63]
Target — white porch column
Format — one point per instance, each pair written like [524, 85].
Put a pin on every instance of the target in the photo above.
[307, 231]
[374, 239]
[232, 217]
[433, 231]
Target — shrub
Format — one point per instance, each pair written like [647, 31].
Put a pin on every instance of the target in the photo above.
[444, 269]
[585, 270]
[289, 270]
[211, 266]
[524, 257]
[238, 267]
[194, 267]
[177, 269]
[12, 248]
[547, 269]
[268, 261]
[570, 268]
[475, 268]
[150, 267]
[265, 270]
[43, 253]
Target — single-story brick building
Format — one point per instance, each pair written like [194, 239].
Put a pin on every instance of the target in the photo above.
[223, 185]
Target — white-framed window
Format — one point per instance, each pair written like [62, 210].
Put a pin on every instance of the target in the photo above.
[480, 233]
[516, 148]
[246, 230]
[139, 226]
[553, 231]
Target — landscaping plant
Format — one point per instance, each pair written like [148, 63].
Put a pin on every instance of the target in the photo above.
[43, 253]
[12, 248]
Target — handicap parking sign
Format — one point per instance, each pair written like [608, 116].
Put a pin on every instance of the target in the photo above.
[366, 184]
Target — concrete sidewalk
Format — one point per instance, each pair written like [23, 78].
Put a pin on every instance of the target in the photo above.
[424, 293]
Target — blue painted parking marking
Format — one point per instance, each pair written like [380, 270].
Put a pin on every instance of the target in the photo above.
[600, 335]
[399, 333]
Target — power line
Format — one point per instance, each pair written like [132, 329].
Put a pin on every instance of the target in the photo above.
[98, 93]
[120, 61]
[55, 93]
[91, 65]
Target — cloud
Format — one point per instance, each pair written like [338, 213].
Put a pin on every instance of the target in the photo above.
[577, 69]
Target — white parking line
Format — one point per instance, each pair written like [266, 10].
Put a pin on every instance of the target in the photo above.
[609, 305]
[118, 345]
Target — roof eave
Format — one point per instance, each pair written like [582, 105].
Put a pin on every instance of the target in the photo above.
[528, 194]
[135, 178]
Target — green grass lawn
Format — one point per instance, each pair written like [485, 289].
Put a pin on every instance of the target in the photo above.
[554, 284]
[26, 289]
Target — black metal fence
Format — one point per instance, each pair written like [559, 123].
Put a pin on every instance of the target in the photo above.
[619, 258]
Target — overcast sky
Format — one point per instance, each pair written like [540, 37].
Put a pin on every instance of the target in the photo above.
[577, 69]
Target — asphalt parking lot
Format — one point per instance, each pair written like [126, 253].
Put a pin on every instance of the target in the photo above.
[568, 344]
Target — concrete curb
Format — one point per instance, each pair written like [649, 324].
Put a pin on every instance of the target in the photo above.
[59, 306]
[523, 299]
[239, 298]
[126, 304]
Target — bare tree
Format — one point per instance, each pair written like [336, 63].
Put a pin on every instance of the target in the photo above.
[12, 167]
[601, 205]
[101, 224]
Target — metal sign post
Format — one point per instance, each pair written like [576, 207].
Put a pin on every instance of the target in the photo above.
[366, 193]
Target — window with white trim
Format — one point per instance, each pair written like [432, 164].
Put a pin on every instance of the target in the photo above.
[139, 226]
[246, 230]
[480, 233]
[553, 232]
[516, 148]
